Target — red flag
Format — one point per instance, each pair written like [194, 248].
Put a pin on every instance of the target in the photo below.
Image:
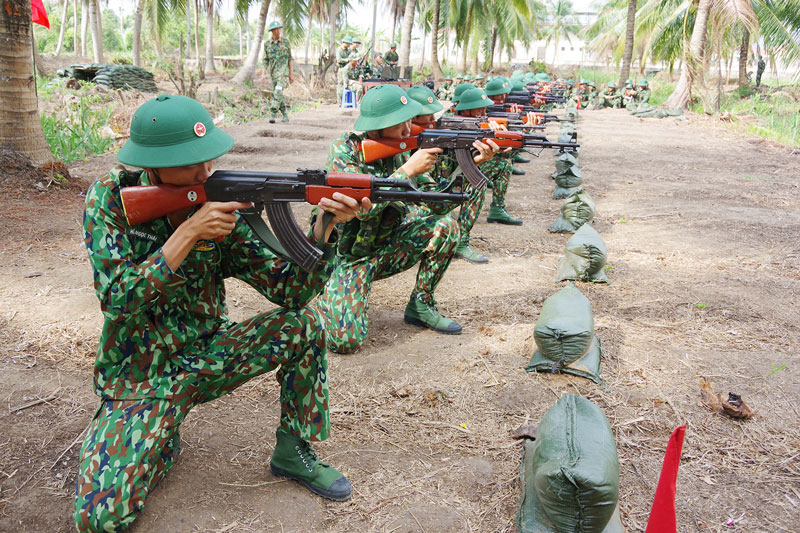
[39, 13]
[662, 514]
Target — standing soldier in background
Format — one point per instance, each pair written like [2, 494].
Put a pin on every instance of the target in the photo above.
[444, 89]
[354, 51]
[761, 66]
[342, 64]
[391, 59]
[278, 60]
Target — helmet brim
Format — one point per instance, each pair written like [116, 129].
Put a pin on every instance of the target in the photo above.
[211, 146]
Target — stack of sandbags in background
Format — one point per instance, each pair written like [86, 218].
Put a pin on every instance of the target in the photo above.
[114, 76]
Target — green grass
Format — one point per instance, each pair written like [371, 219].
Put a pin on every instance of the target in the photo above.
[659, 92]
[777, 116]
[78, 137]
[598, 76]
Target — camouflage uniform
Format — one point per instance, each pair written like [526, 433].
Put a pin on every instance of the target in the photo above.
[167, 345]
[277, 56]
[587, 96]
[608, 99]
[342, 62]
[390, 239]
[443, 93]
[354, 80]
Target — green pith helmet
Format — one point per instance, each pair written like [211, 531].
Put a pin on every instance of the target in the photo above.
[460, 76]
[643, 82]
[517, 85]
[516, 74]
[497, 86]
[529, 77]
[473, 99]
[541, 76]
[347, 40]
[570, 82]
[591, 84]
[584, 81]
[479, 77]
[393, 45]
[629, 81]
[629, 85]
[460, 88]
[426, 98]
[274, 25]
[173, 131]
[612, 84]
[385, 106]
[357, 40]
[448, 78]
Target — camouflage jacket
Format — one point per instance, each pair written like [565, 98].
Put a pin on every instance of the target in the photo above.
[391, 57]
[158, 322]
[342, 57]
[642, 96]
[277, 55]
[354, 73]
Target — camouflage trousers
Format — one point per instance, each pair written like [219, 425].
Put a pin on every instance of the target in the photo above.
[470, 210]
[131, 444]
[501, 178]
[280, 81]
[341, 82]
[423, 238]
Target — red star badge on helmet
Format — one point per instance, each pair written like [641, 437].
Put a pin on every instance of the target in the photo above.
[403, 100]
[199, 129]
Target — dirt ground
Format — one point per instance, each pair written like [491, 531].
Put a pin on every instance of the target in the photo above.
[702, 229]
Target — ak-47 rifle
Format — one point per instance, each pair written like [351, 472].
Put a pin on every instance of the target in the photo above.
[482, 123]
[526, 98]
[361, 61]
[273, 191]
[460, 142]
[504, 108]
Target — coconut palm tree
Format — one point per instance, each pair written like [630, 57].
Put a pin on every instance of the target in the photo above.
[629, 32]
[560, 24]
[245, 74]
[405, 39]
[20, 127]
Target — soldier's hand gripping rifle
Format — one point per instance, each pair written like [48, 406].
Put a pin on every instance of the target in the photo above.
[460, 142]
[273, 192]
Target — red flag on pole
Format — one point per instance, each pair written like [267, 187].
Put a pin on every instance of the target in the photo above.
[39, 13]
[662, 514]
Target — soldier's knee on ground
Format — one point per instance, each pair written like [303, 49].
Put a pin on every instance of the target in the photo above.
[304, 326]
[344, 343]
[97, 515]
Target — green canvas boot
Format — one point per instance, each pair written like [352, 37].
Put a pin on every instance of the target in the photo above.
[517, 172]
[294, 458]
[519, 159]
[501, 216]
[285, 117]
[272, 118]
[465, 251]
[426, 315]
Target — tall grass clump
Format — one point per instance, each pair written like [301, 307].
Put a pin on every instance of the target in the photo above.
[79, 136]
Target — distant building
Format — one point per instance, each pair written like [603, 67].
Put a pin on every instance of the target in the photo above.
[571, 52]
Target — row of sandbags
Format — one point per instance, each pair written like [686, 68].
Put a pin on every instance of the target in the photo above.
[114, 76]
[570, 470]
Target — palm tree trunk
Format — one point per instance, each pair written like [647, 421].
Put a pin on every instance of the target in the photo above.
[424, 38]
[625, 73]
[188, 28]
[241, 43]
[691, 71]
[137, 33]
[492, 43]
[63, 28]
[308, 36]
[97, 30]
[210, 67]
[473, 64]
[197, 35]
[374, 23]
[249, 66]
[467, 30]
[333, 16]
[405, 42]
[20, 127]
[75, 35]
[438, 75]
[84, 26]
[743, 50]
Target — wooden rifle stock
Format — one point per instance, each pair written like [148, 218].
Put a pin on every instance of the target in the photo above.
[147, 202]
[373, 149]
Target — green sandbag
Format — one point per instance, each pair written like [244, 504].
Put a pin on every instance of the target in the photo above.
[565, 328]
[570, 473]
[559, 193]
[578, 209]
[569, 178]
[584, 257]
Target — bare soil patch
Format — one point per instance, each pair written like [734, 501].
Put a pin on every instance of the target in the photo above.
[702, 231]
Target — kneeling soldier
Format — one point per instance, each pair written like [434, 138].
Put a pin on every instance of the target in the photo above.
[168, 344]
